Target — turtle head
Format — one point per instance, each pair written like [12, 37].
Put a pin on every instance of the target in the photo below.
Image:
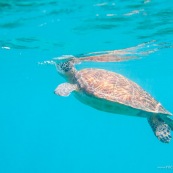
[66, 68]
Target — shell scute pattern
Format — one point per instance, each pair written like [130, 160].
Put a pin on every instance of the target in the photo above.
[114, 87]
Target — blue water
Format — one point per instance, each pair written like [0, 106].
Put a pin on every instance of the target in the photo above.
[43, 133]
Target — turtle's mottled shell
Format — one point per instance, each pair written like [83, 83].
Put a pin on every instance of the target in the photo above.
[116, 88]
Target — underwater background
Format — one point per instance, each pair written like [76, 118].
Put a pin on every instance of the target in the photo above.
[43, 133]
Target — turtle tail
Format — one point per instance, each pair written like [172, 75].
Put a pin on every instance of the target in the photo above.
[161, 126]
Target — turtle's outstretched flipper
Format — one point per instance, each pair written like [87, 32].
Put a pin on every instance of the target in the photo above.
[65, 89]
[131, 53]
[109, 57]
[161, 130]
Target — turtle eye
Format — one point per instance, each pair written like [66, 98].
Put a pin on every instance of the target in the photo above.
[64, 67]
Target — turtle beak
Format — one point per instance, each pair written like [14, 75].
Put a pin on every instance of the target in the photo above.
[58, 67]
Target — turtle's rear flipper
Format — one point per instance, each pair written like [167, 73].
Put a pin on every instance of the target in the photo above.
[161, 130]
[168, 121]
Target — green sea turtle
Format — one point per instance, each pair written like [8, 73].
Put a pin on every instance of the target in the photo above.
[112, 92]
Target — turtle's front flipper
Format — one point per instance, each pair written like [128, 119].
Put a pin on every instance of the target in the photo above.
[161, 130]
[131, 53]
[65, 89]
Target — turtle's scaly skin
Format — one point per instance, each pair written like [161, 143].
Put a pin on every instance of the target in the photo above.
[115, 88]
